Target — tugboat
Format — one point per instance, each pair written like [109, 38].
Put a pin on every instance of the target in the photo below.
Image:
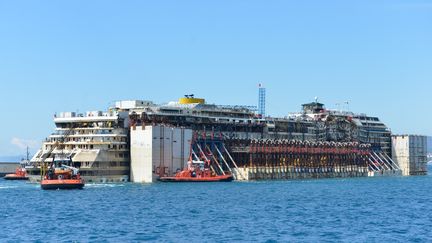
[20, 172]
[20, 175]
[196, 172]
[61, 176]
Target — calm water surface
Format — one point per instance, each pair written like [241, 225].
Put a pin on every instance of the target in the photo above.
[350, 210]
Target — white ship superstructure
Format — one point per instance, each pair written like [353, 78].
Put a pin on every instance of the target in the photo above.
[97, 143]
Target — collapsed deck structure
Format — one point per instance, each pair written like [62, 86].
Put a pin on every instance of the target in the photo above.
[312, 143]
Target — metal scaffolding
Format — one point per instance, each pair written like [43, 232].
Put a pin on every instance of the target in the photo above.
[291, 159]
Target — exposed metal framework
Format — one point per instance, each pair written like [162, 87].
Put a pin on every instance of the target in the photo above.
[292, 159]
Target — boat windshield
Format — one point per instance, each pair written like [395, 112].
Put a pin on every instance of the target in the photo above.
[199, 164]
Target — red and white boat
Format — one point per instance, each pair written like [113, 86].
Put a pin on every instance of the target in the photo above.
[20, 172]
[195, 172]
[20, 175]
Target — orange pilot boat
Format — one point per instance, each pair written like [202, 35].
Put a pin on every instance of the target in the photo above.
[20, 175]
[196, 172]
[20, 172]
[62, 177]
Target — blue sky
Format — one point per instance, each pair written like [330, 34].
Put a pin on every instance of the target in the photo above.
[83, 55]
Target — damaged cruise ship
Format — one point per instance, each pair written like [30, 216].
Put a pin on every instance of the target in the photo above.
[99, 142]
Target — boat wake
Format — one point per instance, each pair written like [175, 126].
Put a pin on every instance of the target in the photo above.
[104, 185]
[7, 187]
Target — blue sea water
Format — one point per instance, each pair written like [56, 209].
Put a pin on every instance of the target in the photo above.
[333, 210]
